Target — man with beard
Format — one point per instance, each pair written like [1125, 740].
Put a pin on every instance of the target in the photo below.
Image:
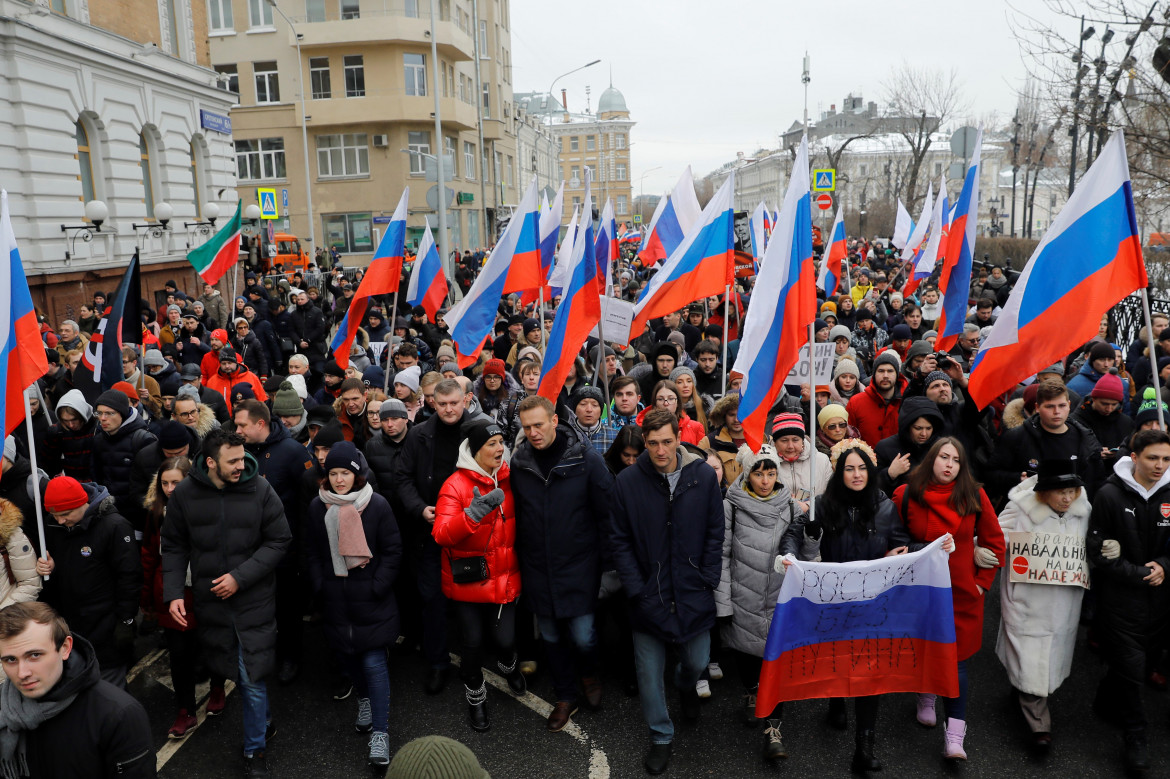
[709, 373]
[874, 411]
[331, 388]
[191, 376]
[231, 373]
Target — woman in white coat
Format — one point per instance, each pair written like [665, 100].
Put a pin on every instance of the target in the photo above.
[1038, 628]
[795, 448]
[19, 581]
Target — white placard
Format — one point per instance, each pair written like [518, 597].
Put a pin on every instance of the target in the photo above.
[822, 366]
[378, 347]
[617, 317]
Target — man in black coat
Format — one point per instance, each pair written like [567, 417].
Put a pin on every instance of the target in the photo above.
[428, 457]
[562, 490]
[309, 323]
[1101, 413]
[84, 726]
[666, 539]
[227, 525]
[123, 434]
[190, 376]
[282, 462]
[1129, 547]
[94, 570]
[174, 440]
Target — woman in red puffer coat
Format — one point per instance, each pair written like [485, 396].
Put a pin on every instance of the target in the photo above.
[475, 523]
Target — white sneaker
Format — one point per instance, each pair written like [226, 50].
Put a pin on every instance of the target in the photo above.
[714, 671]
[703, 688]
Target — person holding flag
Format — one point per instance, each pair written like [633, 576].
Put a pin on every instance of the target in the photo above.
[214, 258]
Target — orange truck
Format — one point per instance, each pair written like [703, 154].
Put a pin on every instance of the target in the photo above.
[285, 254]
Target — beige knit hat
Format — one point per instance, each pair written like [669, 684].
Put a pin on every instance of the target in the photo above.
[435, 757]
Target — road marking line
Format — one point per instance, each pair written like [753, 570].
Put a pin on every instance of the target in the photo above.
[143, 664]
[598, 762]
[173, 745]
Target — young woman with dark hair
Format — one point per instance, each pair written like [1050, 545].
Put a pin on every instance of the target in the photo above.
[624, 450]
[941, 498]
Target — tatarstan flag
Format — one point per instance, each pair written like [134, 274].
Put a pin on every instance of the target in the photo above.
[214, 258]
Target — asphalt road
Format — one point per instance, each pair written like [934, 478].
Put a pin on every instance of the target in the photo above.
[316, 736]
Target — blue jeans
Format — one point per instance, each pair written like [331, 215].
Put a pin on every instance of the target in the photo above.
[650, 659]
[371, 677]
[956, 708]
[560, 654]
[256, 715]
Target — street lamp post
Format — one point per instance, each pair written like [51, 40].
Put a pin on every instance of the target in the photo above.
[304, 121]
[1099, 66]
[1082, 69]
[441, 200]
[558, 78]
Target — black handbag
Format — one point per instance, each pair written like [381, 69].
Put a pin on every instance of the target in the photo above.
[471, 570]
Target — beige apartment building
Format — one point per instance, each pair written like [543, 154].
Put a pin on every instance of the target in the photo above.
[365, 74]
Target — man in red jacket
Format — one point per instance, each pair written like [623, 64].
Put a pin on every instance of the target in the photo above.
[874, 412]
[230, 373]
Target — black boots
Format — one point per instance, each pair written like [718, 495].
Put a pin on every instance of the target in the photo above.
[863, 759]
[477, 707]
[838, 718]
[1137, 751]
[514, 676]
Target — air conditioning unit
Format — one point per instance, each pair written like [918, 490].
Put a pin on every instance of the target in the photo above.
[381, 141]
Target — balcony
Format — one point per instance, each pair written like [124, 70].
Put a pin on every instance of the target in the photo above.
[386, 27]
[387, 106]
[493, 129]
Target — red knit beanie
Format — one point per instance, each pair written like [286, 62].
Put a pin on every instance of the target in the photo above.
[64, 493]
[127, 389]
[1109, 387]
[494, 367]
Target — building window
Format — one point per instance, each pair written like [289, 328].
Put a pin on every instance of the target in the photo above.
[260, 159]
[172, 22]
[355, 76]
[590, 143]
[510, 177]
[449, 154]
[231, 80]
[415, 66]
[574, 144]
[483, 47]
[576, 200]
[343, 155]
[621, 140]
[197, 176]
[350, 233]
[267, 82]
[319, 78]
[444, 10]
[58, 7]
[350, 9]
[410, 8]
[315, 10]
[418, 144]
[621, 171]
[861, 170]
[938, 168]
[147, 175]
[622, 206]
[574, 173]
[84, 163]
[220, 12]
[487, 101]
[259, 13]
[469, 161]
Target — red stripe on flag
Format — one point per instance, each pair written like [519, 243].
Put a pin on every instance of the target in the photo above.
[227, 256]
[26, 363]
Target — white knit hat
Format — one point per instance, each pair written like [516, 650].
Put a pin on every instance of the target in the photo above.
[748, 459]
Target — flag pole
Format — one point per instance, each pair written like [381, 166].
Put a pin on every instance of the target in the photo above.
[36, 477]
[812, 407]
[1153, 359]
[389, 346]
[540, 321]
[726, 301]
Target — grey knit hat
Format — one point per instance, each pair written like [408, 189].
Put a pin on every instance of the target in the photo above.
[450, 366]
[682, 370]
[845, 365]
[840, 331]
[187, 391]
[393, 408]
[10, 449]
[154, 358]
[435, 757]
[888, 357]
[919, 349]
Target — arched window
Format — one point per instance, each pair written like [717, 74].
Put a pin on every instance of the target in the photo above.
[147, 176]
[84, 162]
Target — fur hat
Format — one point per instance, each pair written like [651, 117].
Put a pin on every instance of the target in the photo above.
[748, 460]
[842, 447]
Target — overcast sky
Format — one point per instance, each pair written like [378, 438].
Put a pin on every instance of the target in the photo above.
[704, 80]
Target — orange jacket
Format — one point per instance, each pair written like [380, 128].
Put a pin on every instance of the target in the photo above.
[223, 384]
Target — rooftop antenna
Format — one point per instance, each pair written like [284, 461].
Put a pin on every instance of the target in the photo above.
[588, 108]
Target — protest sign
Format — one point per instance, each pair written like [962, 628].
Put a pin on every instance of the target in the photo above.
[1047, 558]
[617, 316]
[822, 366]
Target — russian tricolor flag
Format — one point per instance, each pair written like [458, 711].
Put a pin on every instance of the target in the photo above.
[22, 352]
[560, 275]
[927, 255]
[606, 248]
[1089, 259]
[382, 278]
[550, 231]
[845, 630]
[672, 222]
[758, 227]
[954, 281]
[830, 275]
[513, 266]
[702, 265]
[428, 283]
[918, 230]
[784, 304]
[578, 313]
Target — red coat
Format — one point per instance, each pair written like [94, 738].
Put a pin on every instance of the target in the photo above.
[493, 538]
[925, 523]
[874, 416]
[152, 585]
[689, 431]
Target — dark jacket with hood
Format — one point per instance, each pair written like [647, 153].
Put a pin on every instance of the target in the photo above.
[414, 475]
[1021, 449]
[97, 574]
[241, 530]
[667, 546]
[104, 732]
[147, 461]
[113, 462]
[889, 448]
[309, 323]
[282, 463]
[251, 352]
[1112, 431]
[560, 521]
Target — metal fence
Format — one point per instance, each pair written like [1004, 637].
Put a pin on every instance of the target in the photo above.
[1126, 319]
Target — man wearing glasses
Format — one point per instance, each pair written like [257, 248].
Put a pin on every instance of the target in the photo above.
[123, 433]
[146, 387]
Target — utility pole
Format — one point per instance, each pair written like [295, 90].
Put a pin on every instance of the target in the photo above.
[482, 161]
[441, 199]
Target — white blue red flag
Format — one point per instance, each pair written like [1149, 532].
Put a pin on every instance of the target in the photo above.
[784, 304]
[927, 254]
[513, 266]
[846, 630]
[954, 280]
[22, 352]
[383, 277]
[830, 275]
[758, 226]
[560, 275]
[702, 265]
[672, 222]
[428, 283]
[903, 227]
[606, 248]
[1089, 259]
[550, 232]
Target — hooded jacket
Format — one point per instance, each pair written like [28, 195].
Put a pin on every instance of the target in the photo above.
[874, 416]
[890, 448]
[240, 530]
[113, 462]
[493, 538]
[667, 546]
[97, 573]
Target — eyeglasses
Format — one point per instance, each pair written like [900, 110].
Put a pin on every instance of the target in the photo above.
[127, 362]
[187, 414]
[106, 414]
[836, 426]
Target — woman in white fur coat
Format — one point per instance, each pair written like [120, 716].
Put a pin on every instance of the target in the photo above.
[1038, 627]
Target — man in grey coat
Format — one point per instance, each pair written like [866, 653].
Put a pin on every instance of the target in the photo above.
[227, 527]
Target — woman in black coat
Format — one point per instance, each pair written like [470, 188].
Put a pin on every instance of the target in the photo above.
[856, 521]
[354, 552]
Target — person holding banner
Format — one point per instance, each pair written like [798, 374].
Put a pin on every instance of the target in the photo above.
[1038, 626]
[853, 521]
[941, 497]
[1129, 547]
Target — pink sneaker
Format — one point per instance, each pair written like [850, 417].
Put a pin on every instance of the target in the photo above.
[953, 744]
[926, 716]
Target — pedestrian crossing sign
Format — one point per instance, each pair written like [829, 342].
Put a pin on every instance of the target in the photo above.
[267, 200]
[824, 180]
